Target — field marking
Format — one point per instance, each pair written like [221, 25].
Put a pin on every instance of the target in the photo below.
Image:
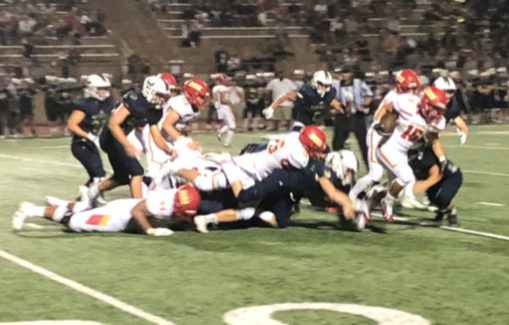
[86, 290]
[41, 161]
[475, 233]
[474, 147]
[33, 226]
[491, 204]
[484, 173]
[492, 144]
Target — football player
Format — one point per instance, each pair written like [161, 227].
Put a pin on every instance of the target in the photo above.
[135, 110]
[324, 182]
[86, 122]
[440, 186]
[224, 111]
[407, 82]
[178, 112]
[311, 101]
[453, 111]
[178, 204]
[416, 115]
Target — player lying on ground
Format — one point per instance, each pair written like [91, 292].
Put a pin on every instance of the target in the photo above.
[119, 215]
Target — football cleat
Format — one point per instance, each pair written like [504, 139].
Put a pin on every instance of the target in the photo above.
[387, 210]
[412, 203]
[18, 220]
[219, 136]
[87, 196]
[452, 219]
[201, 224]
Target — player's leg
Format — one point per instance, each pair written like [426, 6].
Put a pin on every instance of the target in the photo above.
[275, 182]
[442, 194]
[104, 219]
[359, 129]
[375, 169]
[88, 155]
[230, 121]
[224, 216]
[341, 131]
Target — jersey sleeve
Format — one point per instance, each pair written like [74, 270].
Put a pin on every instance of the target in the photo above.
[303, 92]
[181, 106]
[437, 126]
[80, 105]
[160, 203]
[129, 100]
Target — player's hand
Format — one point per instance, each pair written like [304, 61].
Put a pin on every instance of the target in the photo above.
[443, 163]
[131, 151]
[463, 137]
[173, 153]
[268, 112]
[159, 232]
[94, 138]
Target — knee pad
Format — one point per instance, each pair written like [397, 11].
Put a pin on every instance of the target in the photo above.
[80, 207]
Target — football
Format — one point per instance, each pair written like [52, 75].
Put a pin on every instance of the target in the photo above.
[388, 123]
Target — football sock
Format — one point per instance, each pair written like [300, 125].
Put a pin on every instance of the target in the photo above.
[223, 129]
[35, 211]
[361, 185]
[229, 137]
[59, 214]
[211, 218]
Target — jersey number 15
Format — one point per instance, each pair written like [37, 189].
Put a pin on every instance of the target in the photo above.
[412, 133]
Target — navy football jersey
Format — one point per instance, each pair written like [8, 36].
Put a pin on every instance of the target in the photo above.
[422, 160]
[96, 114]
[141, 112]
[310, 105]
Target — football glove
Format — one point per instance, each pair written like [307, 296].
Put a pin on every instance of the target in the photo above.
[94, 138]
[268, 112]
[159, 232]
[463, 137]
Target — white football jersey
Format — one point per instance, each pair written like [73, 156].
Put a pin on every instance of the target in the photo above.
[411, 126]
[216, 93]
[260, 164]
[160, 203]
[181, 106]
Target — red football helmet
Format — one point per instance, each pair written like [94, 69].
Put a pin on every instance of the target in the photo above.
[313, 139]
[433, 103]
[169, 79]
[187, 200]
[407, 80]
[196, 92]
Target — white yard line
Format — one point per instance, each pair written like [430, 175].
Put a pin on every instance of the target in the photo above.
[474, 147]
[491, 204]
[484, 173]
[86, 290]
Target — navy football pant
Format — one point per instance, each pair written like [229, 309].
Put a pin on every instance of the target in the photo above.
[88, 155]
[442, 193]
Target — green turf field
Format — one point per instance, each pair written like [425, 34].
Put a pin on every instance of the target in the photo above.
[190, 278]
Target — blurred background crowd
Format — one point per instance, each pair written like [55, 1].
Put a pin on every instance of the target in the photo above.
[46, 46]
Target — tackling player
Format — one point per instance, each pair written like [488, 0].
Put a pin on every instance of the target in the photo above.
[311, 101]
[416, 115]
[86, 122]
[178, 204]
[440, 186]
[135, 110]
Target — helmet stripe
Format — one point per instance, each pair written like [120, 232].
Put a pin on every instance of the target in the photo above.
[316, 140]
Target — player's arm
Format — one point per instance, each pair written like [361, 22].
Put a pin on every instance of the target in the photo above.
[437, 149]
[159, 140]
[140, 214]
[291, 95]
[385, 108]
[462, 129]
[117, 118]
[168, 124]
[337, 106]
[73, 124]
[434, 177]
[337, 197]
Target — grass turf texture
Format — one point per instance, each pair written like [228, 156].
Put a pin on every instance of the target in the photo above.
[188, 278]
